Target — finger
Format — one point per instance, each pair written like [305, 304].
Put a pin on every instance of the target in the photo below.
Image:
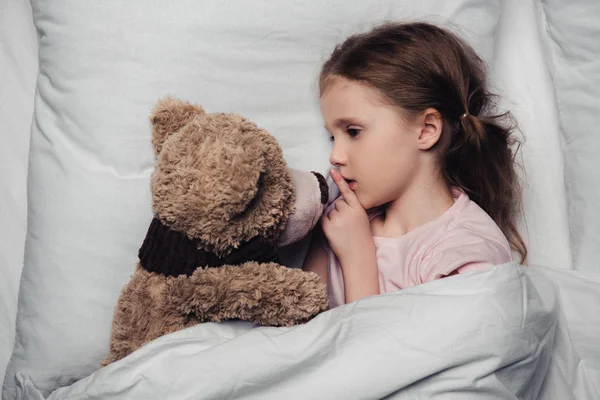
[333, 213]
[339, 204]
[327, 215]
[324, 221]
[345, 190]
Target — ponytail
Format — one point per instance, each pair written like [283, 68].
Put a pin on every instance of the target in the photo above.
[480, 160]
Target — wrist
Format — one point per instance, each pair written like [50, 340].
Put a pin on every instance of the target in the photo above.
[360, 257]
[361, 277]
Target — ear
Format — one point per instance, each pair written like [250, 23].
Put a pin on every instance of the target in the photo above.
[168, 116]
[431, 126]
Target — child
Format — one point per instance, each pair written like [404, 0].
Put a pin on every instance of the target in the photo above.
[425, 169]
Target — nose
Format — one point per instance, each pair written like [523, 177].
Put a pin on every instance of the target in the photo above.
[337, 157]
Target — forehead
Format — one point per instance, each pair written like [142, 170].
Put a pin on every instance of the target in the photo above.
[345, 100]
[341, 93]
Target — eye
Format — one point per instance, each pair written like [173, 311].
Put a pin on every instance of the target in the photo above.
[353, 132]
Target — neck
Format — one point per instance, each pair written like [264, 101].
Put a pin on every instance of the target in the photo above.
[421, 202]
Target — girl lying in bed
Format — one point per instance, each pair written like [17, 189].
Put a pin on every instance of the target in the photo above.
[425, 169]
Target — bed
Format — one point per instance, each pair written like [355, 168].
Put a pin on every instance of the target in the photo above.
[78, 81]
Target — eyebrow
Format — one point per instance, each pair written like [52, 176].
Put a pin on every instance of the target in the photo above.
[342, 122]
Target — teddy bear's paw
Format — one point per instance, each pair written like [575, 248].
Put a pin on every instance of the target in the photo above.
[291, 296]
[263, 293]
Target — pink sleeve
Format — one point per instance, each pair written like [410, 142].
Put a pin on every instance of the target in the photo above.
[461, 253]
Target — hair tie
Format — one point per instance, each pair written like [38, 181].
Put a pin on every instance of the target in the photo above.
[462, 117]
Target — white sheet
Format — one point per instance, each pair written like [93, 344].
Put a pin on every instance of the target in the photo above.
[102, 68]
[543, 58]
[18, 70]
[574, 372]
[485, 335]
[499, 333]
[522, 75]
[572, 34]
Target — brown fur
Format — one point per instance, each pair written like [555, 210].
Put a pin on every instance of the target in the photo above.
[207, 177]
[152, 305]
[168, 116]
[222, 180]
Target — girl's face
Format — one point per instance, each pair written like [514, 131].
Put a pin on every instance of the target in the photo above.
[372, 144]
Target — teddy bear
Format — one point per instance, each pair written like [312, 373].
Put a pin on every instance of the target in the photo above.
[224, 201]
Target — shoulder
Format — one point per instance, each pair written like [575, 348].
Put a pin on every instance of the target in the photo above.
[472, 241]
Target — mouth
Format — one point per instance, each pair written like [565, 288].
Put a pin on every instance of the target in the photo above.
[351, 183]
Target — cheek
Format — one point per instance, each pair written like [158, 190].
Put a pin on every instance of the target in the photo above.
[402, 154]
[392, 159]
[392, 170]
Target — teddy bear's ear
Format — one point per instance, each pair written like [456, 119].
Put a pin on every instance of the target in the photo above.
[168, 116]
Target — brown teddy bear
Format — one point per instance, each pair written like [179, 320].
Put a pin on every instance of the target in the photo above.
[224, 200]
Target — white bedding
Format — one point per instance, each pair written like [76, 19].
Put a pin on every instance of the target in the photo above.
[102, 68]
[18, 70]
[572, 41]
[104, 65]
[485, 335]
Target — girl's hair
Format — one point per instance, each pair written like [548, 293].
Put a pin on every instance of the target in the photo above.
[416, 66]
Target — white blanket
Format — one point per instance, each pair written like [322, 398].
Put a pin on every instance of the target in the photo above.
[488, 334]
[258, 59]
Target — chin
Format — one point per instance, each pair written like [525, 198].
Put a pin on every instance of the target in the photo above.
[369, 204]
[364, 201]
[368, 201]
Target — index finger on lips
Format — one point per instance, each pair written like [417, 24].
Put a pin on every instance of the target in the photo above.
[345, 190]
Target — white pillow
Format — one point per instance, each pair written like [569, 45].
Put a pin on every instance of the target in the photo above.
[18, 71]
[103, 65]
[573, 44]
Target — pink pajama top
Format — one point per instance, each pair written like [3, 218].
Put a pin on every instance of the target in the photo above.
[463, 239]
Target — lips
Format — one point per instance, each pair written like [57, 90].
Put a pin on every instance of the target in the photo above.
[351, 183]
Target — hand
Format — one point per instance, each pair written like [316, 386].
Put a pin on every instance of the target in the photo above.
[347, 226]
